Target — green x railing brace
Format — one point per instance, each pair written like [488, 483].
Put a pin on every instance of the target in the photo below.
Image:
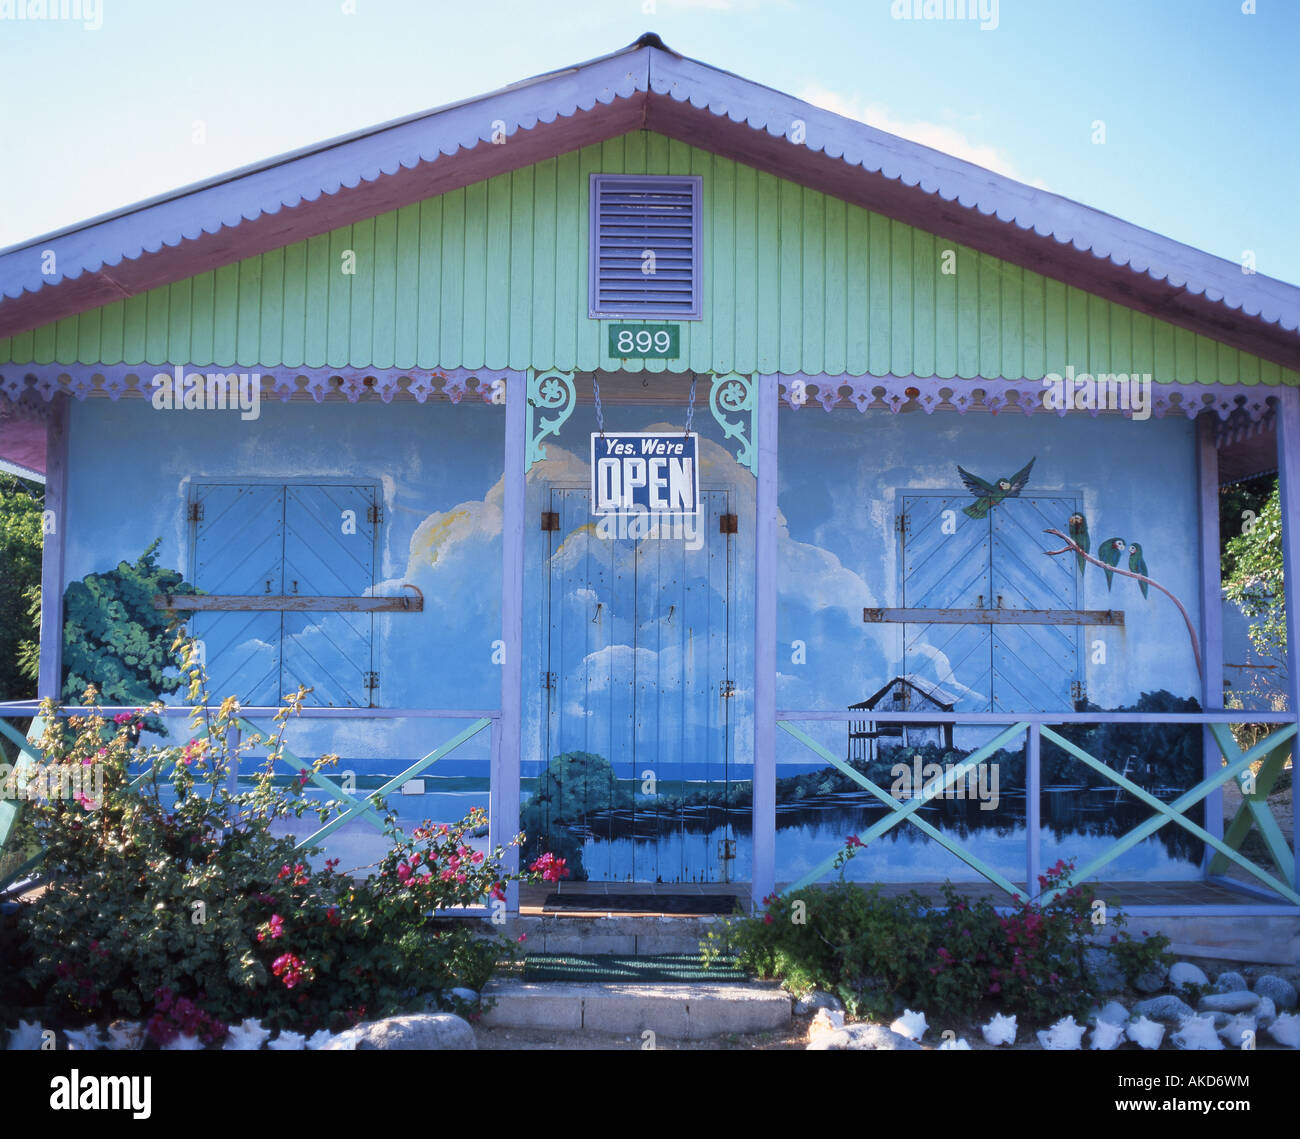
[1256, 811]
[11, 810]
[1175, 811]
[900, 813]
[364, 806]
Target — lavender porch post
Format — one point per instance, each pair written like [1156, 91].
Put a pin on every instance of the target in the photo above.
[1207, 469]
[763, 876]
[50, 677]
[1288, 480]
[505, 789]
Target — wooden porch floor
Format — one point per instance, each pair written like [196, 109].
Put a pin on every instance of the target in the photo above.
[1179, 893]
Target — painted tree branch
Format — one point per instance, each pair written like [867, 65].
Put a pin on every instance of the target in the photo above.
[1071, 546]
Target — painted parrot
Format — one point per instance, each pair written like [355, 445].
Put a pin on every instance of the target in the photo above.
[1079, 535]
[1109, 553]
[988, 495]
[1137, 563]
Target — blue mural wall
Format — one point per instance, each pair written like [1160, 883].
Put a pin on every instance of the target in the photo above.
[844, 482]
[638, 669]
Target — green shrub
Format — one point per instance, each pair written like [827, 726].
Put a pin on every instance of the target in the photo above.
[199, 907]
[878, 954]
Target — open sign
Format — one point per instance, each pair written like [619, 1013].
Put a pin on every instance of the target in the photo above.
[640, 472]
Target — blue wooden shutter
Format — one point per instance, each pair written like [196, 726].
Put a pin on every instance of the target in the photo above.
[631, 216]
[329, 552]
[238, 550]
[947, 571]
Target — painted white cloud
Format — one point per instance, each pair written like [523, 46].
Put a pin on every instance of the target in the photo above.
[938, 136]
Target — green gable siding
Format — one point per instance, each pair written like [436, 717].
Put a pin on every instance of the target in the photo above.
[495, 276]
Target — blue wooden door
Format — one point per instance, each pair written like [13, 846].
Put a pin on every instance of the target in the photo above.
[329, 551]
[946, 566]
[239, 549]
[638, 674]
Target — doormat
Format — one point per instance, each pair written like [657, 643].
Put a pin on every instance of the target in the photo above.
[702, 904]
[677, 968]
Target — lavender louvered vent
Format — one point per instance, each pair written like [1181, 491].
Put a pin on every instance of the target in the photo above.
[645, 247]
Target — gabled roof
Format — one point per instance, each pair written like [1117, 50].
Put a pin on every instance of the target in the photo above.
[644, 86]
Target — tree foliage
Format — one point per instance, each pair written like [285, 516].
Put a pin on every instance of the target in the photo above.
[114, 638]
[1256, 581]
[20, 578]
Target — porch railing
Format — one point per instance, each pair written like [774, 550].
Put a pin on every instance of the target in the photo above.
[1035, 727]
[354, 806]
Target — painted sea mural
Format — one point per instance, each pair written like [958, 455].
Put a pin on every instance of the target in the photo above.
[638, 641]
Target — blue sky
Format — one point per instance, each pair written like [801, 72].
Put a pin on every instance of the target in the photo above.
[1199, 99]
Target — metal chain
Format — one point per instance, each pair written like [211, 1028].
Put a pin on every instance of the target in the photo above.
[600, 414]
[690, 406]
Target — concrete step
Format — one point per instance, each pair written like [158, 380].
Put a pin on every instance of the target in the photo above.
[674, 1011]
[627, 936]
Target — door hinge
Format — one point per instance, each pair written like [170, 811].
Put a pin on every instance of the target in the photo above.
[728, 689]
[195, 512]
[548, 681]
[372, 681]
[550, 520]
[728, 524]
[375, 513]
[1078, 691]
[903, 524]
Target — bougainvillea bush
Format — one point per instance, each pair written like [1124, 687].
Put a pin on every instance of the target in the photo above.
[878, 954]
[185, 908]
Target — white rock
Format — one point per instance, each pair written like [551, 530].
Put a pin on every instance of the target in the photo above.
[1238, 1031]
[247, 1036]
[1063, 1036]
[1000, 1030]
[1286, 1029]
[468, 996]
[1197, 1034]
[815, 1000]
[125, 1035]
[1147, 1033]
[416, 1032]
[910, 1024]
[1113, 1013]
[319, 1039]
[287, 1042]
[86, 1039]
[1242, 1000]
[26, 1037]
[959, 1045]
[1184, 973]
[1106, 1036]
[862, 1038]
[183, 1043]
[1265, 1012]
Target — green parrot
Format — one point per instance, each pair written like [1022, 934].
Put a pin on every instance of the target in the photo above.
[987, 495]
[1138, 564]
[1079, 535]
[1109, 553]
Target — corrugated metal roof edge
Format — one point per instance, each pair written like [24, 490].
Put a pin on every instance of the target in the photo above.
[1102, 235]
